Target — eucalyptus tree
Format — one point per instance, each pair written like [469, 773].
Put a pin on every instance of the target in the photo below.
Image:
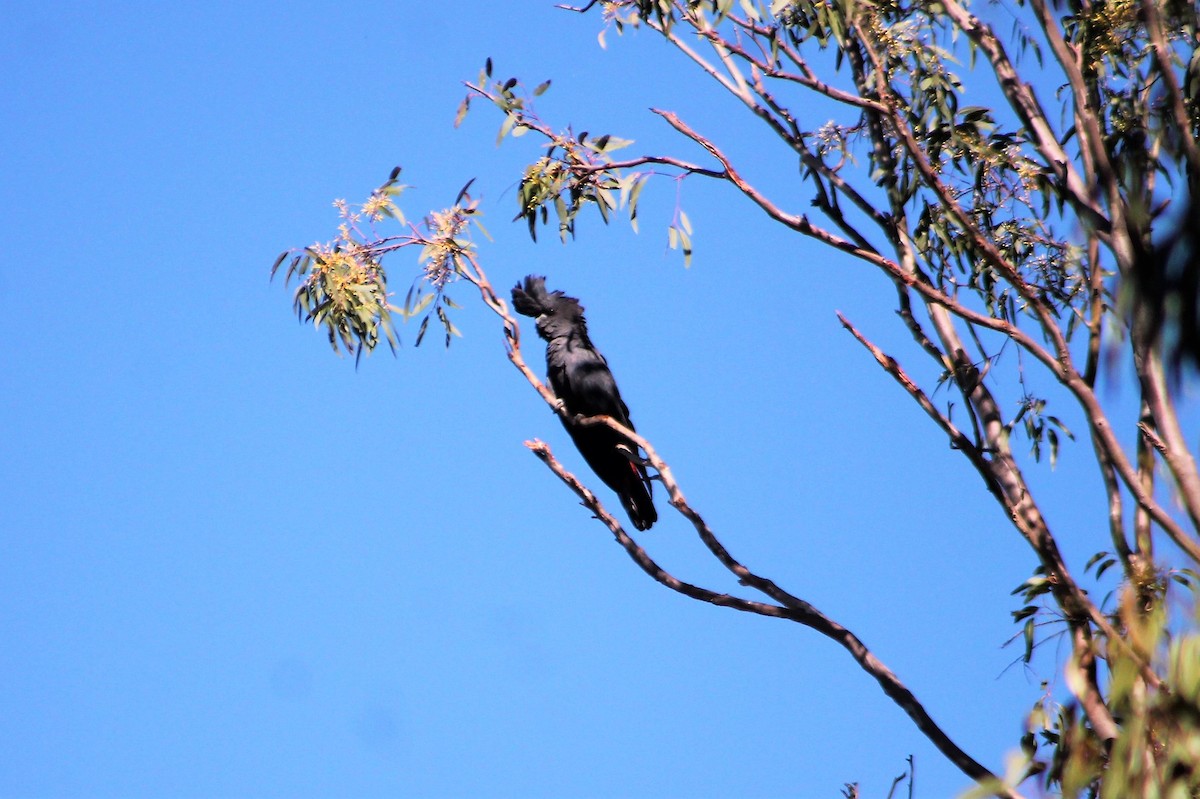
[1054, 231]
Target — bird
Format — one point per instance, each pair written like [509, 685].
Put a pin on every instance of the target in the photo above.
[582, 381]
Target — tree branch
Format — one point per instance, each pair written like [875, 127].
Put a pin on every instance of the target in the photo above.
[1163, 57]
[1061, 366]
[639, 555]
[792, 609]
[1024, 102]
[1007, 485]
[1176, 454]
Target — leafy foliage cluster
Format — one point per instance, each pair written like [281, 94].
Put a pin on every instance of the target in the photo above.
[343, 285]
[577, 171]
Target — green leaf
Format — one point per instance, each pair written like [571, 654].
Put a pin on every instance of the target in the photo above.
[749, 10]
[463, 191]
[639, 183]
[1025, 612]
[278, 261]
[421, 305]
[612, 143]
[510, 120]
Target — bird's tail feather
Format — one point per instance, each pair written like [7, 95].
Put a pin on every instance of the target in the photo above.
[636, 499]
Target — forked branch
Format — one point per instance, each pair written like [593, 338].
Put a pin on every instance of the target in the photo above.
[792, 609]
[789, 606]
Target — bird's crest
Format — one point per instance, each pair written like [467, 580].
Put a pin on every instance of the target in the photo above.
[532, 299]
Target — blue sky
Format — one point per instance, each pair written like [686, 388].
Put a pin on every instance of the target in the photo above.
[233, 565]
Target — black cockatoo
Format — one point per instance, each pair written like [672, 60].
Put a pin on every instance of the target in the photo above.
[580, 378]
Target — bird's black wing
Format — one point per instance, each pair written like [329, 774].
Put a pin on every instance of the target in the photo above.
[586, 386]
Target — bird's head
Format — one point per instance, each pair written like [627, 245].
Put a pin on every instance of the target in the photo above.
[556, 314]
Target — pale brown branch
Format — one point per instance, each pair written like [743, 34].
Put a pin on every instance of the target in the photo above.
[1003, 478]
[1175, 453]
[774, 112]
[1087, 689]
[524, 116]
[797, 222]
[639, 555]
[1148, 432]
[808, 78]
[958, 440]
[1145, 464]
[1116, 524]
[737, 89]
[643, 160]
[1162, 56]
[1061, 366]
[790, 607]
[1024, 102]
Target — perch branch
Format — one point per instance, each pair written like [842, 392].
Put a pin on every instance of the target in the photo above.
[792, 609]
